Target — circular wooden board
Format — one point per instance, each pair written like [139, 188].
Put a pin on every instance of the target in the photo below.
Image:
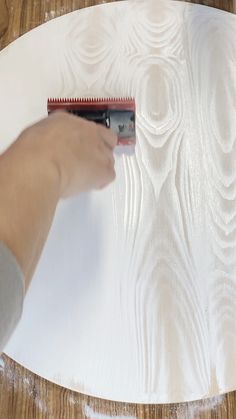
[134, 298]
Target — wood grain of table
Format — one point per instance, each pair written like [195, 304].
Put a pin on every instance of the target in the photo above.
[24, 395]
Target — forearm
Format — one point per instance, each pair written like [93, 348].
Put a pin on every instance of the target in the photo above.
[59, 156]
[29, 192]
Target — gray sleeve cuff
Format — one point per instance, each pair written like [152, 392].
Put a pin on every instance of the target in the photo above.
[11, 294]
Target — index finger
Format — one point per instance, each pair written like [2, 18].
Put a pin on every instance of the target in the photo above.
[109, 137]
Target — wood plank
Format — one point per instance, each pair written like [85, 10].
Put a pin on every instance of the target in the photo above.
[3, 17]
[23, 395]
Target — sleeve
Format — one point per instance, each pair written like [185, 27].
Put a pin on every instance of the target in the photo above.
[11, 294]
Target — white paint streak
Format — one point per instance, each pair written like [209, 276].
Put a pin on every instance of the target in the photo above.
[50, 15]
[24, 384]
[89, 413]
[140, 279]
[2, 364]
[193, 410]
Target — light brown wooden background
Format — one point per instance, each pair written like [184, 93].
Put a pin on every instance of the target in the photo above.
[24, 395]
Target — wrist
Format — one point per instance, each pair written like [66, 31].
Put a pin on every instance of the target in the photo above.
[37, 158]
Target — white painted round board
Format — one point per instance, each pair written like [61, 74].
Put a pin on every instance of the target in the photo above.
[134, 298]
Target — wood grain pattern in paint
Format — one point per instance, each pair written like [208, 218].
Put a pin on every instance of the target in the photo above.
[207, 186]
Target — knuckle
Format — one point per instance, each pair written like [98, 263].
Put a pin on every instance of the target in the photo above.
[58, 114]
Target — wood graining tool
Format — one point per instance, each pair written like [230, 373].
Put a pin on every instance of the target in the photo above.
[116, 114]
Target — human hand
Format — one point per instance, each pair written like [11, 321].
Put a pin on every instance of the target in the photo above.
[80, 151]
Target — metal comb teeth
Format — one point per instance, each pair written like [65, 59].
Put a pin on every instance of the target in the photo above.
[92, 99]
[95, 103]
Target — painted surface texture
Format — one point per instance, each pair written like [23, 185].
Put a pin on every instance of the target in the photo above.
[141, 292]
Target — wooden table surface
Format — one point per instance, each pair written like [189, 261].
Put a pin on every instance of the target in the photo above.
[23, 395]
